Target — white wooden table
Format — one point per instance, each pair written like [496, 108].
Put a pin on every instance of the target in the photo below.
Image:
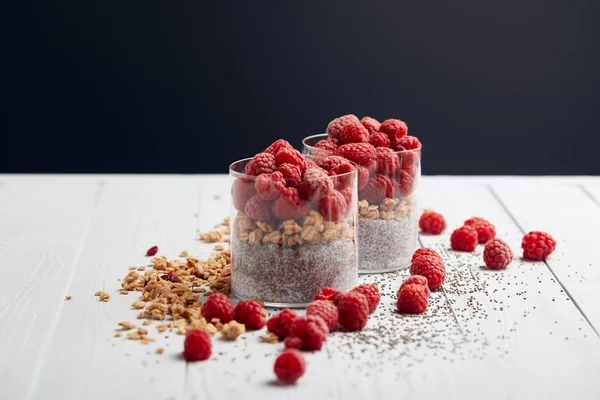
[531, 331]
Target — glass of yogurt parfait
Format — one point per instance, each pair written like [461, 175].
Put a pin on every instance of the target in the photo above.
[293, 228]
[389, 170]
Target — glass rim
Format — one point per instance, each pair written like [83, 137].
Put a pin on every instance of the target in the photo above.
[247, 159]
[324, 135]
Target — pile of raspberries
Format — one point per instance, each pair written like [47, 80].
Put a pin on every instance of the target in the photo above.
[285, 185]
[497, 254]
[387, 157]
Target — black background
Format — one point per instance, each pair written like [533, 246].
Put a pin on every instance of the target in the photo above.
[490, 87]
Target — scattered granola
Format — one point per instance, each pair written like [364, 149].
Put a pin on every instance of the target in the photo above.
[232, 330]
[126, 325]
[160, 350]
[184, 253]
[270, 338]
[102, 296]
[67, 297]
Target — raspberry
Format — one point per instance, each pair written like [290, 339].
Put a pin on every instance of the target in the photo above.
[354, 133]
[425, 252]
[326, 310]
[290, 156]
[280, 324]
[289, 366]
[278, 145]
[289, 205]
[336, 165]
[464, 239]
[371, 292]
[485, 229]
[363, 177]
[197, 345]
[330, 294]
[259, 209]
[378, 188]
[262, 163]
[371, 124]
[497, 254]
[327, 144]
[217, 306]
[407, 143]
[251, 314]
[333, 162]
[315, 184]
[311, 330]
[387, 161]
[413, 299]
[353, 311]
[348, 193]
[268, 186]
[241, 191]
[361, 153]
[537, 245]
[291, 173]
[293, 342]
[333, 206]
[406, 181]
[415, 280]
[335, 127]
[379, 140]
[394, 129]
[432, 222]
[152, 251]
[310, 164]
[431, 268]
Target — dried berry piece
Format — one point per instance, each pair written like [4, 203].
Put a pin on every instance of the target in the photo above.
[152, 251]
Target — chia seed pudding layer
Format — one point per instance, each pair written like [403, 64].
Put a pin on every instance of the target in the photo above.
[387, 245]
[292, 276]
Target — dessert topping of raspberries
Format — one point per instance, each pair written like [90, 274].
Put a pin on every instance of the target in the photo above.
[311, 330]
[334, 129]
[315, 184]
[262, 163]
[278, 145]
[395, 129]
[379, 139]
[353, 311]
[387, 161]
[290, 156]
[241, 191]
[361, 153]
[289, 366]
[197, 345]
[377, 189]
[291, 173]
[485, 229]
[333, 206]
[268, 186]
[464, 238]
[407, 143]
[330, 294]
[497, 254]
[217, 306]
[371, 124]
[289, 205]
[280, 324]
[371, 292]
[251, 314]
[258, 209]
[327, 144]
[432, 222]
[431, 268]
[537, 245]
[354, 133]
[326, 310]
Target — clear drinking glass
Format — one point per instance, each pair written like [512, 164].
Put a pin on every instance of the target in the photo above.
[388, 207]
[285, 250]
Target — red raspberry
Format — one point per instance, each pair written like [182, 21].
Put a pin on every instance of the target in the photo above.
[197, 345]
[289, 205]
[326, 310]
[333, 162]
[354, 133]
[464, 239]
[497, 254]
[379, 140]
[330, 294]
[537, 245]
[293, 342]
[241, 191]
[406, 184]
[333, 206]
[251, 314]
[217, 306]
[407, 143]
[432, 222]
[335, 127]
[431, 268]
[268, 186]
[353, 311]
[415, 280]
[291, 173]
[310, 164]
[311, 330]
[259, 209]
[377, 189]
[361, 153]
[371, 124]
[290, 156]
[485, 229]
[315, 183]
[363, 177]
[425, 252]
[413, 299]
[395, 129]
[280, 324]
[262, 163]
[348, 194]
[289, 366]
[278, 145]
[387, 161]
[336, 165]
[327, 144]
[371, 292]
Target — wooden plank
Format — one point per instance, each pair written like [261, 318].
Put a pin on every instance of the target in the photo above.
[569, 214]
[84, 360]
[42, 225]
